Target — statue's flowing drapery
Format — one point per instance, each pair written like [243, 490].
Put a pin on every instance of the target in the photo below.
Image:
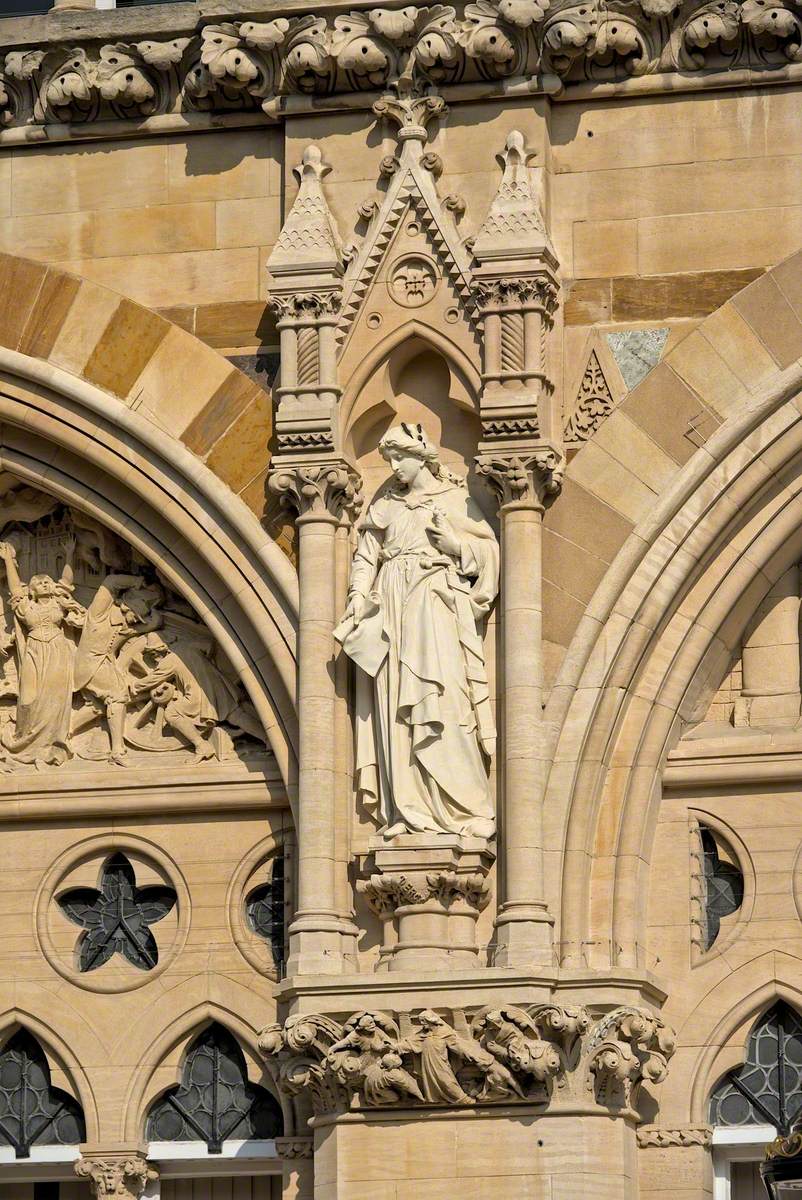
[424, 719]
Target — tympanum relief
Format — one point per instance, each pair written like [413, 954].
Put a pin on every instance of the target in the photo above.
[424, 576]
[99, 660]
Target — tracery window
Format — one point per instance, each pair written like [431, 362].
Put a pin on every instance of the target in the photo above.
[264, 907]
[215, 1100]
[723, 886]
[767, 1088]
[116, 918]
[32, 1111]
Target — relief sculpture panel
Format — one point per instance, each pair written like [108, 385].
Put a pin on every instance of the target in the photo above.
[100, 661]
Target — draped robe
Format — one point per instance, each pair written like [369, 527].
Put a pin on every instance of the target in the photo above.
[423, 716]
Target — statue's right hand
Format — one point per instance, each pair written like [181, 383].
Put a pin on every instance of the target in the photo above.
[356, 609]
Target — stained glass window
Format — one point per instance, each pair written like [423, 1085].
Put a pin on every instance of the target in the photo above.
[264, 907]
[32, 1111]
[215, 1100]
[724, 886]
[767, 1088]
[116, 918]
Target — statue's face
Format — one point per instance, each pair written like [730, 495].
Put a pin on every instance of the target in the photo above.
[42, 586]
[405, 467]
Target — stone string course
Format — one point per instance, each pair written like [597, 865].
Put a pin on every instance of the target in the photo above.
[238, 66]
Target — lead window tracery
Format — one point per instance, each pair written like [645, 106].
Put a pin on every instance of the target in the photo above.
[117, 916]
[32, 1111]
[767, 1088]
[215, 1101]
[264, 908]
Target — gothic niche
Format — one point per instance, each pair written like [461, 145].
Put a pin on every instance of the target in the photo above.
[99, 660]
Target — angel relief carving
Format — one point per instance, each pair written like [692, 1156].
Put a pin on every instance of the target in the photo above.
[99, 660]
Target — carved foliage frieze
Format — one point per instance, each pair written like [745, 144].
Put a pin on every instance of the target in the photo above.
[504, 1054]
[247, 64]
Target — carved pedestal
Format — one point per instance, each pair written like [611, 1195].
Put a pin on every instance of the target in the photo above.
[428, 892]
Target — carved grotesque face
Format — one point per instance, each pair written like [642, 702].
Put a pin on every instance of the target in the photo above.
[405, 467]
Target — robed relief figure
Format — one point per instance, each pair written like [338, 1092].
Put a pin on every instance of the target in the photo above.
[423, 578]
[42, 608]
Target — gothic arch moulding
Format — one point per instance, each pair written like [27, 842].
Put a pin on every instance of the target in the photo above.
[159, 1060]
[111, 409]
[655, 639]
[64, 1052]
[717, 1031]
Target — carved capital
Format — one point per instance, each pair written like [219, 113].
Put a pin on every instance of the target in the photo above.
[530, 477]
[385, 893]
[539, 291]
[329, 489]
[123, 1176]
[309, 306]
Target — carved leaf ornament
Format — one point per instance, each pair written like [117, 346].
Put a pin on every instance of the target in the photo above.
[249, 63]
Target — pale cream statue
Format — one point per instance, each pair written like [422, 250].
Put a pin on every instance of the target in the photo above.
[423, 578]
[41, 609]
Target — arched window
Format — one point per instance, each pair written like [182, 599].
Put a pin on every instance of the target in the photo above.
[767, 1088]
[215, 1100]
[32, 1111]
[723, 890]
[265, 906]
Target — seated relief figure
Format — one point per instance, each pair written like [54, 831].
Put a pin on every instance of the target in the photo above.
[423, 578]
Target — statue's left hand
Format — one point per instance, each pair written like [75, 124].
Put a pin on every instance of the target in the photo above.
[443, 535]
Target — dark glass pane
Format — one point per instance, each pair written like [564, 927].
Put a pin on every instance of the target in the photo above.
[45, 1191]
[215, 1100]
[32, 1111]
[724, 886]
[19, 8]
[116, 919]
[751, 1094]
[264, 907]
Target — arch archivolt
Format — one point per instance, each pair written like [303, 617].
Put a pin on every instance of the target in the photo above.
[158, 1061]
[713, 1038]
[67, 437]
[652, 648]
[67, 1041]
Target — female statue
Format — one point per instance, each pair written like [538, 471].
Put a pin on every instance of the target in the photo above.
[41, 610]
[424, 575]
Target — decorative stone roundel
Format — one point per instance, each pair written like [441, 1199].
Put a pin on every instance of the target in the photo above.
[413, 280]
[110, 916]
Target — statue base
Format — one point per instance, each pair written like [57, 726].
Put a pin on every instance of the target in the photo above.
[428, 891]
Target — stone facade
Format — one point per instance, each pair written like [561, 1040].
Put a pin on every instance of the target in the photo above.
[400, 691]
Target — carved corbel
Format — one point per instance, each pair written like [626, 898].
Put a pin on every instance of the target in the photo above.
[292, 1148]
[497, 1054]
[113, 1175]
[624, 1049]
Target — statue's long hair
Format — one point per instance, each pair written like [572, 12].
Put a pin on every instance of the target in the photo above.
[407, 438]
